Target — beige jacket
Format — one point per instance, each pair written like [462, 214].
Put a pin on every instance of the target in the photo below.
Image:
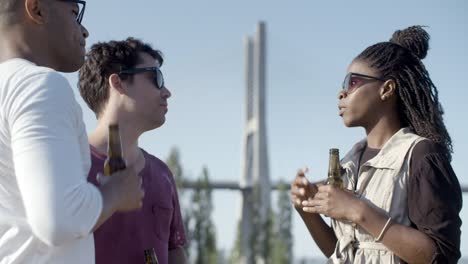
[383, 185]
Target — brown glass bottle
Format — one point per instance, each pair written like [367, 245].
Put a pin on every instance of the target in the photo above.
[150, 256]
[115, 160]
[334, 169]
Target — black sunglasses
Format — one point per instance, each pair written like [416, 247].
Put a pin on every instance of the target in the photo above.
[79, 17]
[354, 80]
[158, 78]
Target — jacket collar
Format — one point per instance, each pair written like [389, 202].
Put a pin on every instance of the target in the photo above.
[390, 156]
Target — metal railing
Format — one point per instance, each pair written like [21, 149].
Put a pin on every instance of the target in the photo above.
[235, 186]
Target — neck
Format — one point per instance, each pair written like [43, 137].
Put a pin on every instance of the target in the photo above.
[380, 132]
[16, 42]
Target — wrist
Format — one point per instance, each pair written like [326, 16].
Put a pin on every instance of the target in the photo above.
[358, 212]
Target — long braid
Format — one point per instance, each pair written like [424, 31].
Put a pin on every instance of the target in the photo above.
[418, 97]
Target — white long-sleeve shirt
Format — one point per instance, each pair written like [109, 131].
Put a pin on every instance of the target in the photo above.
[47, 207]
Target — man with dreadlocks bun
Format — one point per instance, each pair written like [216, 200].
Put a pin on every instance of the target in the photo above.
[403, 199]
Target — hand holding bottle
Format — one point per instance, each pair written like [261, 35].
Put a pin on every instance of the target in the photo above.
[334, 202]
[122, 191]
[124, 188]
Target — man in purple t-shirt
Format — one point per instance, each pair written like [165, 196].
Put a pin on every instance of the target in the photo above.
[122, 83]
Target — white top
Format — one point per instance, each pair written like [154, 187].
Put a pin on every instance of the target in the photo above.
[47, 207]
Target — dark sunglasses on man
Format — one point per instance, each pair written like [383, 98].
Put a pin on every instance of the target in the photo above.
[158, 78]
[353, 81]
[81, 8]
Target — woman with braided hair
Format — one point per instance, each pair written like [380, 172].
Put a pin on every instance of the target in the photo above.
[402, 199]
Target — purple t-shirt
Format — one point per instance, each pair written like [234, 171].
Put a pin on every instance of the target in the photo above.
[158, 224]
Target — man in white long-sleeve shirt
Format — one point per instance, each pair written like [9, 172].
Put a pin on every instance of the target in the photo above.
[48, 210]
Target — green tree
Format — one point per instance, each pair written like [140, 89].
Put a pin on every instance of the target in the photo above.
[174, 164]
[234, 257]
[203, 231]
[263, 235]
[283, 244]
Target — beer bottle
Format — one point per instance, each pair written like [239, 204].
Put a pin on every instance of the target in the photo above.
[114, 161]
[150, 256]
[334, 169]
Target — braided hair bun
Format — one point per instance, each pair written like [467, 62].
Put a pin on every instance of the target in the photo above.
[414, 38]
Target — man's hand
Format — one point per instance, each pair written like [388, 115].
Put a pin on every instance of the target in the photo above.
[125, 189]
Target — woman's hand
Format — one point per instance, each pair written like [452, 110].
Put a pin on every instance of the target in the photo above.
[302, 189]
[340, 204]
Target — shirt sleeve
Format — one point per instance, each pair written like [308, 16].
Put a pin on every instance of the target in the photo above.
[435, 200]
[177, 237]
[60, 205]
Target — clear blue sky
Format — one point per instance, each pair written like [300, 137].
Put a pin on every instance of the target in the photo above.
[310, 44]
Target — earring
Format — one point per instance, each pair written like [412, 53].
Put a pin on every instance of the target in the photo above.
[384, 97]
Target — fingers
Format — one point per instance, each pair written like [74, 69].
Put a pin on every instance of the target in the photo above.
[137, 195]
[326, 192]
[322, 195]
[301, 188]
[302, 172]
[315, 210]
[133, 188]
[301, 180]
[298, 191]
[300, 183]
[101, 179]
[312, 188]
[296, 201]
[297, 195]
[122, 173]
[324, 187]
[312, 206]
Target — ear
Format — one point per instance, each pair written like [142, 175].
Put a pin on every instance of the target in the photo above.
[388, 90]
[116, 83]
[36, 11]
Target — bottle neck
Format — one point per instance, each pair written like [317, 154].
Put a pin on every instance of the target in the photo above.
[334, 164]
[150, 256]
[114, 147]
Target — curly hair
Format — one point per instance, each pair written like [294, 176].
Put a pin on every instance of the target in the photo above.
[105, 59]
[400, 59]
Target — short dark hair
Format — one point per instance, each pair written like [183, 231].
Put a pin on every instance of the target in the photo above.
[105, 59]
[400, 59]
